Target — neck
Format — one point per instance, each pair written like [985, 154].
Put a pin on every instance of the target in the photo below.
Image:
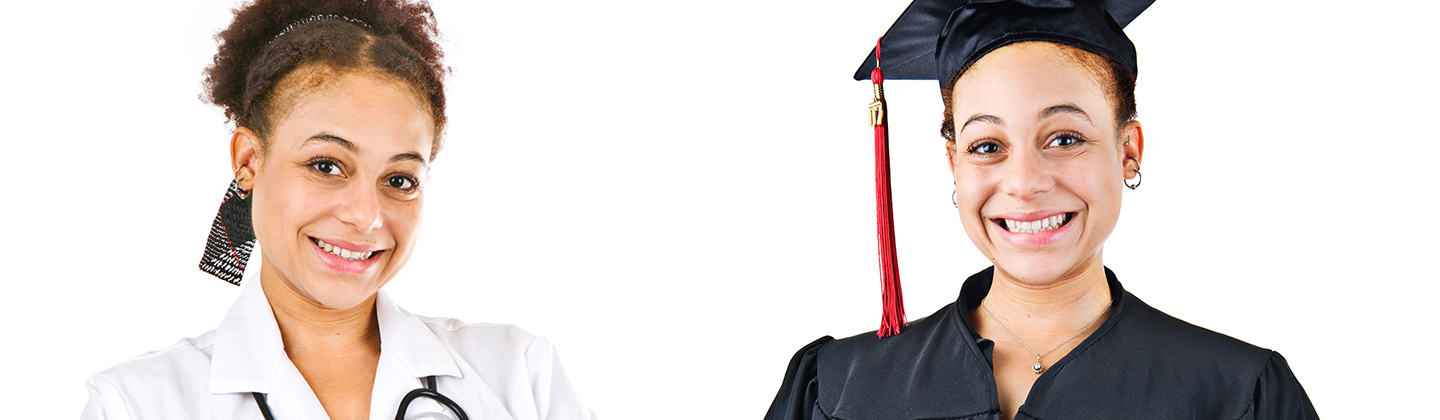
[1056, 308]
[310, 329]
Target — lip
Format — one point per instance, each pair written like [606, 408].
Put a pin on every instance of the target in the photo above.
[343, 265]
[1033, 239]
[350, 246]
[1019, 217]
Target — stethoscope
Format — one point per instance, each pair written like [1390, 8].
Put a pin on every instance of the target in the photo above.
[428, 392]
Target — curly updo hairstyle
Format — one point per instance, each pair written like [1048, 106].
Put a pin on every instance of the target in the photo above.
[269, 39]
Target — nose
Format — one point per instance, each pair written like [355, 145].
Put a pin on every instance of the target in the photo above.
[359, 207]
[1026, 176]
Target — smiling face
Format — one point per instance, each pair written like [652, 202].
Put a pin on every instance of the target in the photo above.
[1038, 161]
[337, 200]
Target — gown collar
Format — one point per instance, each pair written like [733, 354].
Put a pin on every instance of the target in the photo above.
[249, 353]
[978, 286]
[937, 368]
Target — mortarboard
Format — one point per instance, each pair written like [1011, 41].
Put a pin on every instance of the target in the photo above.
[938, 40]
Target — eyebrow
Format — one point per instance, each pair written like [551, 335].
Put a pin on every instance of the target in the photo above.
[412, 156]
[330, 138]
[982, 118]
[1064, 109]
[348, 145]
[1046, 113]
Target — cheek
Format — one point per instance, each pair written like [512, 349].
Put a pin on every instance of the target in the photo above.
[973, 188]
[404, 219]
[1098, 184]
[266, 208]
[282, 204]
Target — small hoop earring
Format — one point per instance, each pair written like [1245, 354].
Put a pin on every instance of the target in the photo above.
[952, 196]
[1138, 177]
[243, 193]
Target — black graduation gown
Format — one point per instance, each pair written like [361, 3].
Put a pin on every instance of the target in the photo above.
[1140, 364]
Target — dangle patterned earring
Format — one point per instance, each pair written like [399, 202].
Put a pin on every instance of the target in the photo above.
[232, 237]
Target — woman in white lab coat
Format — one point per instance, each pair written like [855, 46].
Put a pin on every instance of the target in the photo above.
[339, 108]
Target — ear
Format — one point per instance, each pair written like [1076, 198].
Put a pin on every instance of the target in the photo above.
[951, 156]
[1132, 147]
[244, 156]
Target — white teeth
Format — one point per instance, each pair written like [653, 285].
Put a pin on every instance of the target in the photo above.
[344, 253]
[1036, 226]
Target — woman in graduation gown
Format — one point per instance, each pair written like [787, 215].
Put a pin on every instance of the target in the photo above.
[339, 107]
[1041, 138]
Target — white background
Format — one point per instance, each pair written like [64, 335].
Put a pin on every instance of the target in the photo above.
[679, 194]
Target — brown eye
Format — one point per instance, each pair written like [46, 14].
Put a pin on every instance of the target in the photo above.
[325, 167]
[984, 148]
[400, 182]
[1065, 139]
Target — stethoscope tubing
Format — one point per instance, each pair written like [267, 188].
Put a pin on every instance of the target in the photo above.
[264, 406]
[429, 391]
[432, 392]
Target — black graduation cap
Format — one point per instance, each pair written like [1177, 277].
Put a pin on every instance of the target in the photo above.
[938, 40]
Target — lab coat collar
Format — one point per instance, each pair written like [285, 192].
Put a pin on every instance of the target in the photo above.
[248, 350]
[408, 340]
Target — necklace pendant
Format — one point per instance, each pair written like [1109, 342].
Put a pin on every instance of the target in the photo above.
[1037, 367]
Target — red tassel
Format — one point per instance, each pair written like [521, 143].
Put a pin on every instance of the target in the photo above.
[892, 317]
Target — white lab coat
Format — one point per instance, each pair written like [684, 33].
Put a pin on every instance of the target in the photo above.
[493, 371]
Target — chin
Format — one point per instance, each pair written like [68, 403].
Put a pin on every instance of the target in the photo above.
[342, 293]
[1031, 272]
[1040, 270]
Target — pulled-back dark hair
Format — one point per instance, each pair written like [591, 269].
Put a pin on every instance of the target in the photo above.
[395, 38]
